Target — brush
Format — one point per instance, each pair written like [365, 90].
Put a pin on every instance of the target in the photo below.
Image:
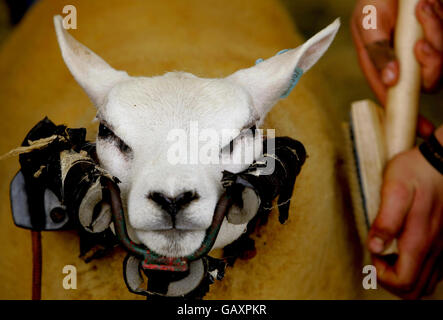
[375, 136]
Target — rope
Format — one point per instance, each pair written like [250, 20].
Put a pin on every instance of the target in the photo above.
[33, 145]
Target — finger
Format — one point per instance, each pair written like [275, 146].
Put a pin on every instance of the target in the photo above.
[389, 74]
[428, 13]
[378, 41]
[369, 70]
[373, 45]
[425, 277]
[429, 275]
[434, 280]
[437, 274]
[418, 289]
[431, 62]
[382, 56]
[396, 200]
[390, 279]
[381, 53]
[406, 278]
[424, 127]
[386, 15]
[414, 245]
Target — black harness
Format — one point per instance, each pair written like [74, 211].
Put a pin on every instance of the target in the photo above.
[60, 179]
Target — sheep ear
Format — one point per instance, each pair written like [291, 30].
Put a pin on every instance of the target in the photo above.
[91, 72]
[274, 78]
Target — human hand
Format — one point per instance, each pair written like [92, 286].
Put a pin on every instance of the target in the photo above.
[412, 212]
[376, 55]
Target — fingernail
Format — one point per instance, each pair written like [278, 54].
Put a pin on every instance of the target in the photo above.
[388, 76]
[376, 245]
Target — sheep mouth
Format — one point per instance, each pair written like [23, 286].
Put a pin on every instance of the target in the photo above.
[184, 227]
[173, 233]
[180, 229]
[174, 228]
[152, 260]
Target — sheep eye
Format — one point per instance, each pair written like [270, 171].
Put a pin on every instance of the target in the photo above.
[105, 133]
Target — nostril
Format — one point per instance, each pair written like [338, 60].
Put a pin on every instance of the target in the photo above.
[173, 204]
[164, 202]
[160, 198]
[185, 198]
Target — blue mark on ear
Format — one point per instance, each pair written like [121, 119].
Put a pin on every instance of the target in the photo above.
[298, 72]
[282, 51]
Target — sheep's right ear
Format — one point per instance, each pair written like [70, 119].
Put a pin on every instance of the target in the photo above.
[91, 72]
[274, 78]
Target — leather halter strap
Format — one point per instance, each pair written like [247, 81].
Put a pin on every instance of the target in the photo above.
[36, 265]
[152, 260]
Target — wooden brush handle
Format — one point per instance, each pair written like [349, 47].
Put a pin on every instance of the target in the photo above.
[402, 101]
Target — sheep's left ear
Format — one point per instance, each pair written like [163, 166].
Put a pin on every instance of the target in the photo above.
[91, 72]
[272, 79]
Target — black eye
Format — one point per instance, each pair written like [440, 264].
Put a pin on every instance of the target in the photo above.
[105, 133]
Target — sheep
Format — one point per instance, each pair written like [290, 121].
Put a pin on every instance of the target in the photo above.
[316, 254]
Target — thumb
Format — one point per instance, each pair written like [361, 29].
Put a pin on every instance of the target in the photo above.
[396, 201]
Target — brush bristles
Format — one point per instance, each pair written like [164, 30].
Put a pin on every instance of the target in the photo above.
[355, 190]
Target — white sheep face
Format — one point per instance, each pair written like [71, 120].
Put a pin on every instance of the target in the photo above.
[138, 115]
[142, 112]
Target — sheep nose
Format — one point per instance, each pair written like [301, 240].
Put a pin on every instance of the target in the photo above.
[172, 205]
